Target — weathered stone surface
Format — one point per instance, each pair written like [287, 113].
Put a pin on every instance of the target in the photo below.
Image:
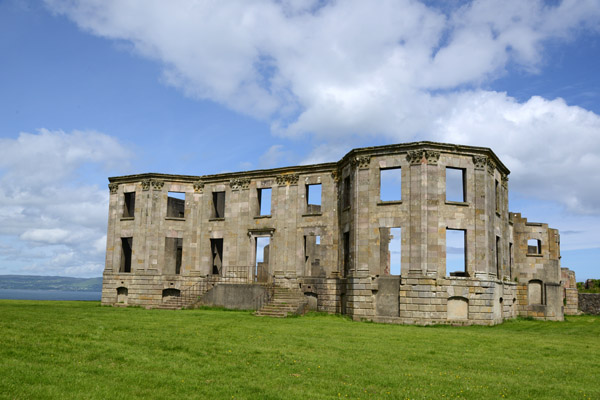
[336, 253]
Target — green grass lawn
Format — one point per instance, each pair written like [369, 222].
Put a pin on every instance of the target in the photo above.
[82, 350]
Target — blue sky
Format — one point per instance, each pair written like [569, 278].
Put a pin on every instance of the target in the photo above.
[103, 88]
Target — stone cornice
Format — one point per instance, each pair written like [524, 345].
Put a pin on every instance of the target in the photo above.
[432, 150]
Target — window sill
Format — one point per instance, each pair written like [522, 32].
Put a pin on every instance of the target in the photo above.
[262, 216]
[217, 219]
[312, 214]
[534, 255]
[457, 203]
[175, 218]
[388, 202]
[127, 218]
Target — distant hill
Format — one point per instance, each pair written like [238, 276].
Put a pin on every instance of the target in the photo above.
[34, 282]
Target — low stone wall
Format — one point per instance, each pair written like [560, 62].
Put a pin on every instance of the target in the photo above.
[234, 296]
[589, 303]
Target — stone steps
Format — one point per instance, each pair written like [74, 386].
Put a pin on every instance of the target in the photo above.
[283, 303]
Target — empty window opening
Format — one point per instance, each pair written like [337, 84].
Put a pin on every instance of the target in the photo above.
[390, 240]
[126, 246]
[312, 256]
[173, 255]
[456, 252]
[218, 204]
[346, 248]
[534, 246]
[176, 205]
[455, 184]
[510, 260]
[390, 184]
[346, 194]
[313, 198]
[129, 205]
[261, 265]
[264, 201]
[498, 258]
[497, 196]
[216, 246]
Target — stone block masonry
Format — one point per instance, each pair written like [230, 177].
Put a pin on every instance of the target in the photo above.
[415, 233]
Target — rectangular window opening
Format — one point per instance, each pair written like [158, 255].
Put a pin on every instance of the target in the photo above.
[390, 184]
[390, 240]
[498, 259]
[313, 198]
[534, 246]
[129, 205]
[497, 196]
[264, 201]
[455, 184]
[346, 248]
[346, 193]
[173, 255]
[176, 205]
[510, 260]
[218, 204]
[126, 251]
[312, 255]
[456, 252]
[261, 265]
[216, 246]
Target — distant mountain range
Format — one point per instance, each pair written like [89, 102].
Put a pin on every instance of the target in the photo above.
[35, 282]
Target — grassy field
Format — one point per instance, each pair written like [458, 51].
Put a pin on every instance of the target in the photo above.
[82, 350]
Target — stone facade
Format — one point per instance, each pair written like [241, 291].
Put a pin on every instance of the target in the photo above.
[327, 232]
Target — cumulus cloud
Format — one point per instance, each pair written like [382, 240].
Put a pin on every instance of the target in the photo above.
[398, 69]
[53, 200]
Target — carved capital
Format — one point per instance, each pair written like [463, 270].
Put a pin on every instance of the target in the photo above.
[361, 161]
[287, 179]
[480, 162]
[335, 174]
[146, 184]
[239, 183]
[414, 157]
[157, 185]
[113, 187]
[432, 156]
[491, 166]
[505, 181]
[198, 186]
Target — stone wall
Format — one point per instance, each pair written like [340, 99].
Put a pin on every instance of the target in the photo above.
[589, 303]
[338, 252]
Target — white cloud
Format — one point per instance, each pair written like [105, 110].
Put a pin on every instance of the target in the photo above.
[53, 218]
[342, 70]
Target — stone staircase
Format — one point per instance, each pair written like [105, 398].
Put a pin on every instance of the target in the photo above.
[284, 301]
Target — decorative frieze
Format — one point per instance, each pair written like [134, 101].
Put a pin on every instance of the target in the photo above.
[239, 183]
[361, 161]
[198, 186]
[113, 187]
[287, 179]
[480, 162]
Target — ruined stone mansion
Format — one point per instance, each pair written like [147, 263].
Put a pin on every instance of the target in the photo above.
[367, 236]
